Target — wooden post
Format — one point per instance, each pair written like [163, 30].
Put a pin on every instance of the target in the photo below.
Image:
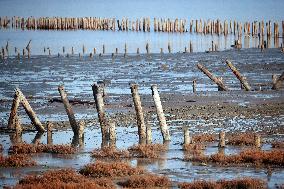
[112, 134]
[49, 128]
[238, 75]
[81, 129]
[221, 139]
[147, 48]
[186, 138]
[194, 86]
[125, 48]
[68, 109]
[98, 96]
[32, 115]
[104, 49]
[137, 51]
[278, 82]
[257, 141]
[169, 48]
[149, 133]
[139, 114]
[160, 113]
[14, 109]
[212, 77]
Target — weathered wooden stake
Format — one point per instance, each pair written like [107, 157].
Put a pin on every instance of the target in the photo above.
[160, 113]
[212, 77]
[278, 82]
[49, 128]
[186, 138]
[139, 114]
[98, 96]
[194, 86]
[32, 115]
[112, 134]
[68, 109]
[81, 129]
[149, 133]
[238, 75]
[14, 109]
[257, 141]
[221, 139]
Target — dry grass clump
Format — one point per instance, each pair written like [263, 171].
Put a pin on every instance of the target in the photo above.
[66, 178]
[278, 144]
[110, 152]
[41, 148]
[146, 181]
[244, 183]
[203, 138]
[102, 169]
[257, 157]
[16, 161]
[193, 147]
[242, 139]
[147, 150]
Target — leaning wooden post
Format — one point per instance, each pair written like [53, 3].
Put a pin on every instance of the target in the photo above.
[68, 109]
[32, 115]
[139, 114]
[14, 109]
[238, 75]
[216, 80]
[278, 82]
[149, 133]
[98, 96]
[221, 139]
[160, 113]
[186, 138]
[257, 141]
[112, 134]
[49, 127]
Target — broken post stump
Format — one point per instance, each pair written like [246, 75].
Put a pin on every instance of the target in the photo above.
[98, 96]
[257, 141]
[160, 114]
[221, 139]
[139, 114]
[194, 86]
[186, 139]
[49, 127]
[277, 82]
[32, 115]
[216, 80]
[112, 134]
[238, 75]
[68, 109]
[81, 129]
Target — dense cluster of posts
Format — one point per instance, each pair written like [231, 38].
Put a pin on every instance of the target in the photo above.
[108, 126]
[218, 27]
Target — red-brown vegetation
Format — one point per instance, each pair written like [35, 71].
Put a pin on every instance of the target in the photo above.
[24, 148]
[191, 147]
[110, 152]
[66, 178]
[203, 138]
[16, 161]
[146, 181]
[147, 150]
[1, 148]
[257, 157]
[242, 139]
[116, 169]
[279, 144]
[245, 183]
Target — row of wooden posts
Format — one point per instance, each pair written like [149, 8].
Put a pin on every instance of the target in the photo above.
[255, 28]
[107, 126]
